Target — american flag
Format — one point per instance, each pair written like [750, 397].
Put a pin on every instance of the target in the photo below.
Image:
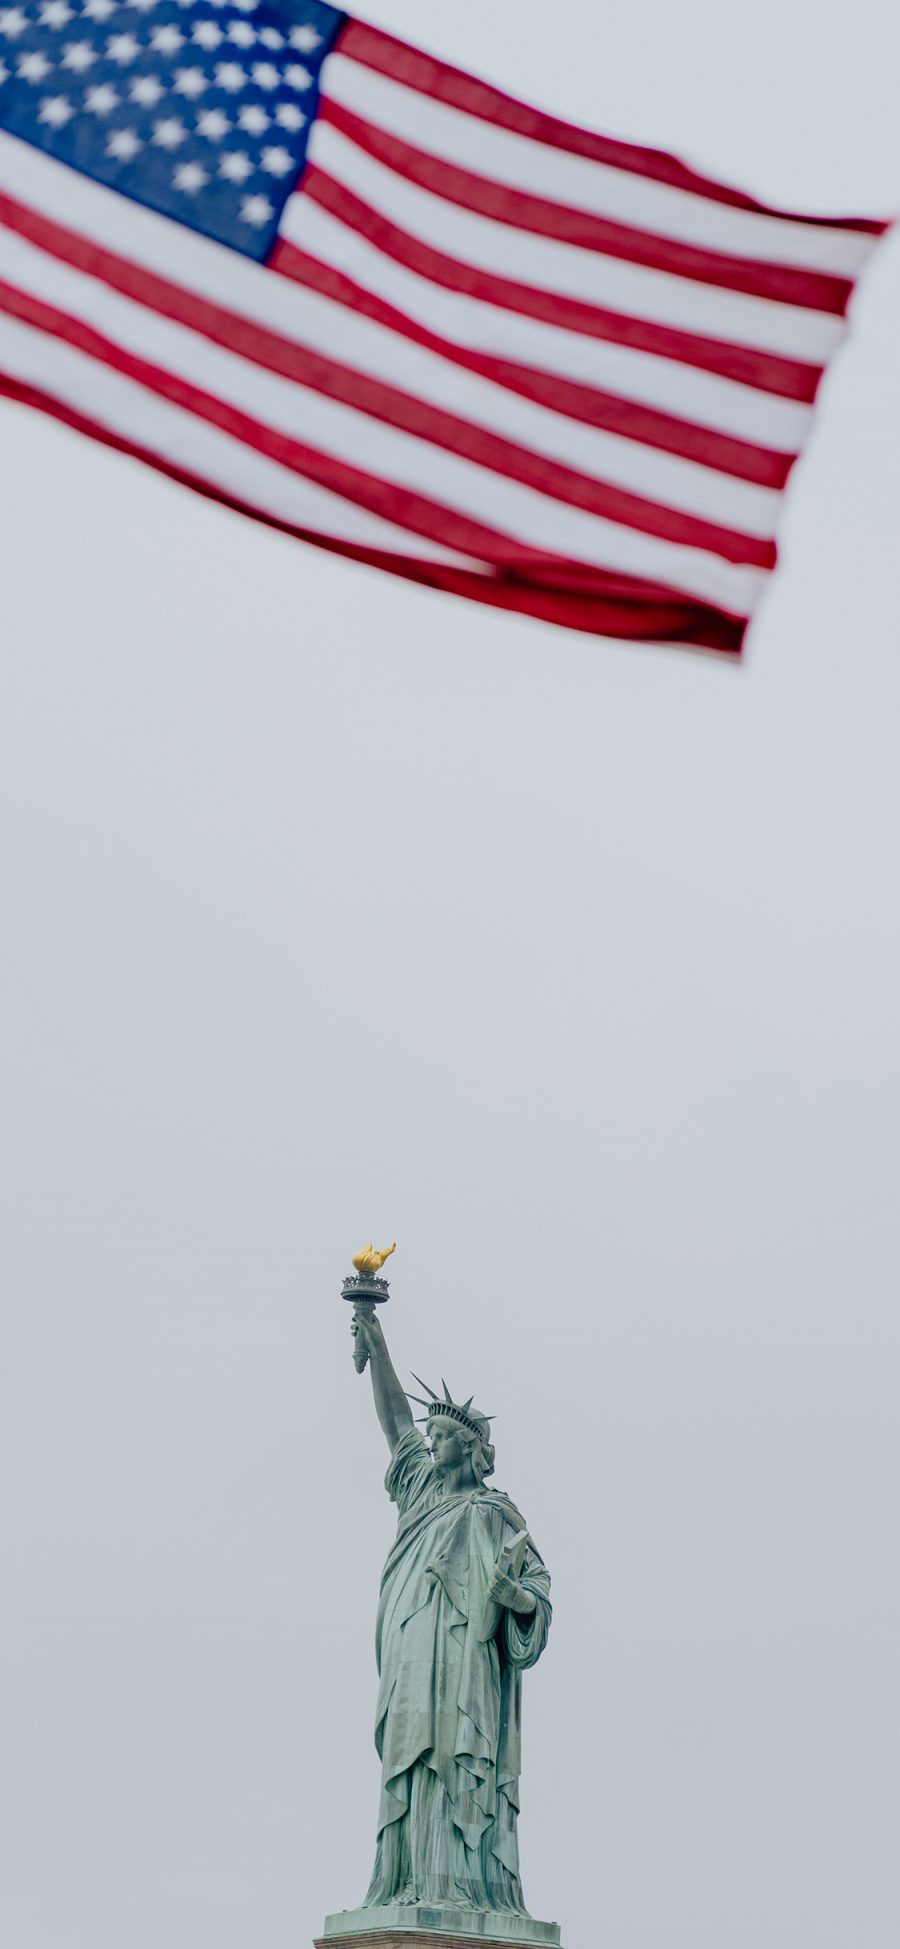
[359, 295]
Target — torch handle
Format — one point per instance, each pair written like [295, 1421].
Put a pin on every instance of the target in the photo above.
[363, 1309]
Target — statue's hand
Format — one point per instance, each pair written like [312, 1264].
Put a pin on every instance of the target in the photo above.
[366, 1330]
[513, 1596]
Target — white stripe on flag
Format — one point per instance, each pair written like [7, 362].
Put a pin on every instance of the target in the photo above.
[177, 436]
[539, 169]
[566, 270]
[357, 342]
[196, 264]
[389, 454]
[722, 405]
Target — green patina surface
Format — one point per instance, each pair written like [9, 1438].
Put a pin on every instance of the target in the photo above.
[464, 1611]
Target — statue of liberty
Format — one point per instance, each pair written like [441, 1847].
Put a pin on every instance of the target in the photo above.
[464, 1610]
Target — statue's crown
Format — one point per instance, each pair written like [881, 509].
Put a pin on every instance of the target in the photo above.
[452, 1410]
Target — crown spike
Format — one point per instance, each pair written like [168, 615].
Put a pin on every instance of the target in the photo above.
[459, 1411]
[429, 1390]
[447, 1394]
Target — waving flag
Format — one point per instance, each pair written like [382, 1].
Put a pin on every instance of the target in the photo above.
[376, 303]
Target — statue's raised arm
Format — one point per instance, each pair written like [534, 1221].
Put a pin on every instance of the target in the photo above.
[391, 1405]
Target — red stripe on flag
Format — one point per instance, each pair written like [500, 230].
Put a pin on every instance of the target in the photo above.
[789, 378]
[374, 49]
[814, 290]
[625, 608]
[388, 403]
[404, 507]
[608, 411]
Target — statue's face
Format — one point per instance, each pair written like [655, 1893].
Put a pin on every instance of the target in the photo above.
[449, 1449]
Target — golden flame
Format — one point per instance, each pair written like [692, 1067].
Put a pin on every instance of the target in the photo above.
[369, 1260]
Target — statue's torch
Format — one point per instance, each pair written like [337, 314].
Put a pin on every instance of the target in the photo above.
[365, 1291]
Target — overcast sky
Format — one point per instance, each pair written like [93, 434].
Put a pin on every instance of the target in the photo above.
[334, 910]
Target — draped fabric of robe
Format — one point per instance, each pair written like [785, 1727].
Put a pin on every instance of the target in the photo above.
[448, 1718]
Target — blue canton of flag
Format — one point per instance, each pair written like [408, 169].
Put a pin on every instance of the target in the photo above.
[201, 111]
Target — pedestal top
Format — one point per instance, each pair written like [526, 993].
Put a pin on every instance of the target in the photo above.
[453, 1925]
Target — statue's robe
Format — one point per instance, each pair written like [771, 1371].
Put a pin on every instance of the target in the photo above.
[448, 1719]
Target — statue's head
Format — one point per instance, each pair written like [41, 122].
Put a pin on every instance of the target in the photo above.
[457, 1433]
[452, 1445]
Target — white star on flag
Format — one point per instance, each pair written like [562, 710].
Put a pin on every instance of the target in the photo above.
[213, 124]
[34, 67]
[256, 210]
[167, 40]
[13, 22]
[190, 176]
[56, 111]
[254, 119]
[55, 13]
[230, 77]
[208, 35]
[123, 48]
[146, 90]
[298, 77]
[305, 39]
[169, 133]
[79, 56]
[102, 100]
[124, 145]
[236, 167]
[191, 82]
[277, 161]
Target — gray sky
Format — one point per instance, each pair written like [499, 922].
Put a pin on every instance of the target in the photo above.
[333, 910]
